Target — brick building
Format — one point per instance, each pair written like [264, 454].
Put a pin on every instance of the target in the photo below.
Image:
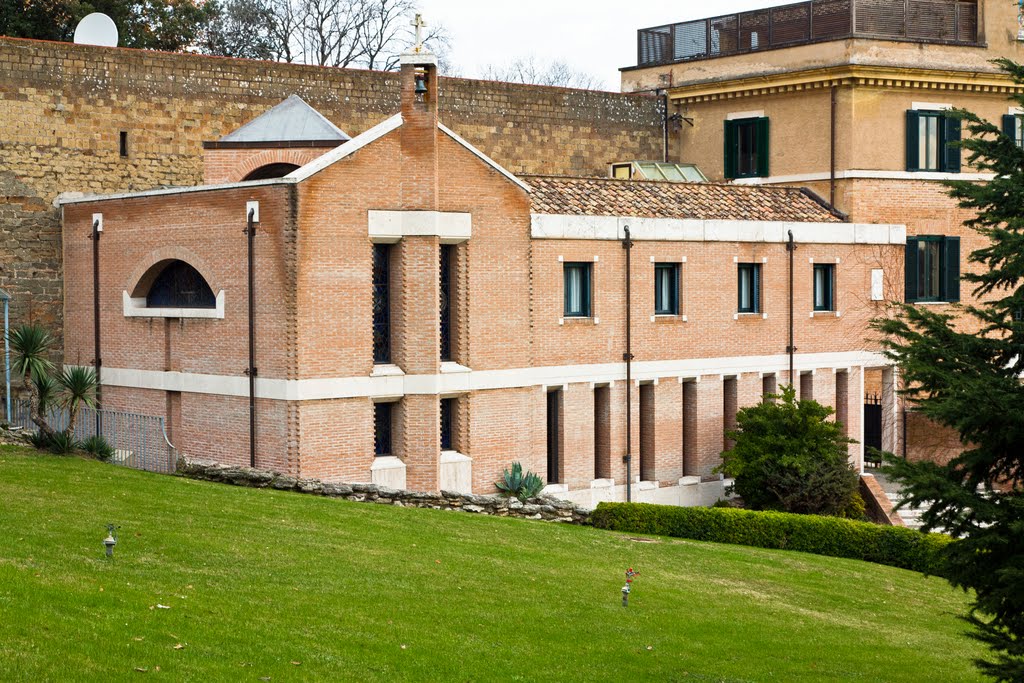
[847, 98]
[423, 316]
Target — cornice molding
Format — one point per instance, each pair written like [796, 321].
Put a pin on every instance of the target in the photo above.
[849, 75]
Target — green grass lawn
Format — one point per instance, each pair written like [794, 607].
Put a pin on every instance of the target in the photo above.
[265, 585]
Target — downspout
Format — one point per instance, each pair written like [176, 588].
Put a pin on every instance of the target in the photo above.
[664, 144]
[791, 349]
[832, 152]
[7, 354]
[627, 244]
[250, 231]
[97, 230]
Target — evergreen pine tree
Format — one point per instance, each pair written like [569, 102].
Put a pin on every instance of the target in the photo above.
[964, 370]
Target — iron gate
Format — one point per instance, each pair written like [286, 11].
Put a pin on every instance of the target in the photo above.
[873, 421]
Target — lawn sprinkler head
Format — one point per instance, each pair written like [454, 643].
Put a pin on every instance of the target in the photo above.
[625, 595]
[111, 540]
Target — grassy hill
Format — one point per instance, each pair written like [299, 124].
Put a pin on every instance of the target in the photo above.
[264, 585]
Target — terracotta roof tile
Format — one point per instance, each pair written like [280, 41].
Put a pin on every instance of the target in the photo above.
[660, 199]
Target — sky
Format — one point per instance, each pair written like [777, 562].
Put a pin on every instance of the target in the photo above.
[595, 36]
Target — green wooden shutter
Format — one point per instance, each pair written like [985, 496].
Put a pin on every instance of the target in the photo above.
[757, 284]
[913, 132]
[731, 149]
[951, 268]
[911, 271]
[762, 147]
[951, 155]
[1010, 126]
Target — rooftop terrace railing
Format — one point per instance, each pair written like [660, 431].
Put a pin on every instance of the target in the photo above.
[929, 21]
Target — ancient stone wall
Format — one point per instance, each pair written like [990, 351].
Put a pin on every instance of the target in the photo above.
[65, 107]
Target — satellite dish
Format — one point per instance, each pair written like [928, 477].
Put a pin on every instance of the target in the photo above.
[96, 29]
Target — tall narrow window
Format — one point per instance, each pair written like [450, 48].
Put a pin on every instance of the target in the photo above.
[666, 289]
[824, 286]
[447, 424]
[749, 284]
[381, 303]
[382, 422]
[447, 262]
[577, 290]
[929, 138]
[746, 148]
[122, 143]
[554, 400]
[933, 268]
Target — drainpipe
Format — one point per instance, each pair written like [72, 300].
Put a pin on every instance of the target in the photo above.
[627, 244]
[665, 118]
[7, 353]
[250, 231]
[832, 152]
[791, 349]
[97, 230]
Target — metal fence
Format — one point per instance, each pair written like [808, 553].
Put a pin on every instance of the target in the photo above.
[139, 441]
[934, 21]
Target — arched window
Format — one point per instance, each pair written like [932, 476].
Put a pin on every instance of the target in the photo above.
[179, 285]
[278, 170]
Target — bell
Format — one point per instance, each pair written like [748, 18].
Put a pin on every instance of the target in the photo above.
[421, 84]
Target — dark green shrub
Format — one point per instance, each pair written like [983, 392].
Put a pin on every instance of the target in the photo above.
[99, 447]
[832, 536]
[522, 486]
[63, 443]
[789, 457]
[39, 440]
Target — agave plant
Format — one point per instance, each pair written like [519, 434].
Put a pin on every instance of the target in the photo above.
[79, 385]
[31, 347]
[522, 486]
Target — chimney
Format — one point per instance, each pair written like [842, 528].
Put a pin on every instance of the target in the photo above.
[419, 131]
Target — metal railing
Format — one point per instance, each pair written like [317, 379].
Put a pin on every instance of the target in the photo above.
[931, 21]
[139, 441]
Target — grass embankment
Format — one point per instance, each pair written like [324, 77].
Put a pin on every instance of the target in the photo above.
[263, 584]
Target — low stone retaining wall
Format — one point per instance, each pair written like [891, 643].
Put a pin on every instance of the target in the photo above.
[543, 507]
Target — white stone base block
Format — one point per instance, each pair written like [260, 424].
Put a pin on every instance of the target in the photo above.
[690, 492]
[455, 472]
[388, 471]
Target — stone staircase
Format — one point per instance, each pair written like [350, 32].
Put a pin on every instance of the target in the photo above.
[911, 516]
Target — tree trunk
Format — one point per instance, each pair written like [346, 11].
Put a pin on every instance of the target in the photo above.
[35, 413]
[72, 418]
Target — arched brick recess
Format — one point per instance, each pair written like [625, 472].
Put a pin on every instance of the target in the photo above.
[232, 165]
[169, 254]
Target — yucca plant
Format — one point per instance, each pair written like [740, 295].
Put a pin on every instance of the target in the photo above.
[30, 345]
[63, 443]
[522, 486]
[99, 447]
[79, 385]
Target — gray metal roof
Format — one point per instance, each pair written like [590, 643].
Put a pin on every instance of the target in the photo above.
[291, 121]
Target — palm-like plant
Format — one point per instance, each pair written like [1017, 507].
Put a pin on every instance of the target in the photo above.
[516, 483]
[79, 389]
[31, 347]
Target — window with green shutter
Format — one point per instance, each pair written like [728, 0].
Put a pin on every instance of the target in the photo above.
[929, 134]
[746, 151]
[824, 286]
[932, 268]
[749, 288]
[666, 289]
[1013, 127]
[577, 290]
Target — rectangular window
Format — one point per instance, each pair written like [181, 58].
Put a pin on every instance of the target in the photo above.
[746, 148]
[381, 303]
[749, 288]
[929, 138]
[382, 422]
[447, 424]
[122, 145]
[447, 299]
[666, 289]
[554, 435]
[933, 268]
[1013, 126]
[577, 290]
[824, 287]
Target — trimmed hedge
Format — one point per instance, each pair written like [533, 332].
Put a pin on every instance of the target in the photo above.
[832, 536]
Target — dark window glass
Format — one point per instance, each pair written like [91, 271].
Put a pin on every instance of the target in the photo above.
[447, 424]
[382, 303]
[666, 289]
[577, 290]
[746, 148]
[824, 287]
[929, 134]
[447, 261]
[749, 285]
[382, 418]
[179, 285]
[929, 270]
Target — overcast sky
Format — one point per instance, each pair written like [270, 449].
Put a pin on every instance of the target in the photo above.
[596, 36]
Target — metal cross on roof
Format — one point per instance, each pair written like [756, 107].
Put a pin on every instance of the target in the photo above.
[418, 23]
